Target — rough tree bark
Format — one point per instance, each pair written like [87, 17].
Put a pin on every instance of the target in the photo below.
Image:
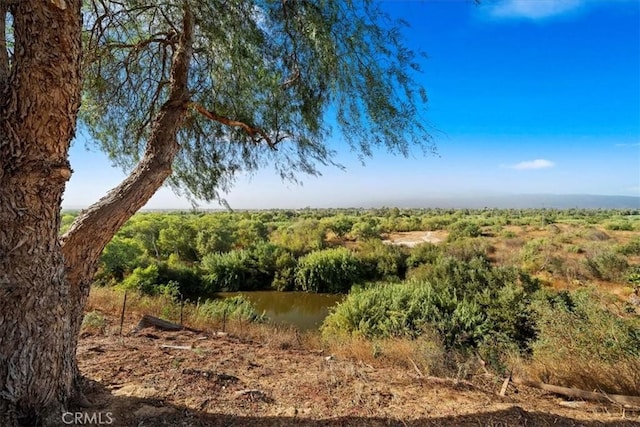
[38, 109]
[44, 280]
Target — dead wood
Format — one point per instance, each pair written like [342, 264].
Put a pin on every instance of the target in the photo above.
[576, 393]
[148, 321]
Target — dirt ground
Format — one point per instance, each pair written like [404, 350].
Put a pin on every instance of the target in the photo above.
[412, 239]
[155, 378]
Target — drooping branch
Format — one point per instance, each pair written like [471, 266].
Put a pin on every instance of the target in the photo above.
[254, 132]
[94, 228]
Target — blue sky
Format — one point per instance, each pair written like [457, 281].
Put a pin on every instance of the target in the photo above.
[525, 96]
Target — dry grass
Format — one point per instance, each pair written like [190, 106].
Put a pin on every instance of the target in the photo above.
[424, 356]
[108, 301]
[623, 377]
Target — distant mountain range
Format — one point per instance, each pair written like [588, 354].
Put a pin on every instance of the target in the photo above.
[517, 201]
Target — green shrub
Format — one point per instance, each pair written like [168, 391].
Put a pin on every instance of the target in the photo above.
[232, 308]
[230, 271]
[273, 266]
[436, 223]
[582, 344]
[426, 253]
[285, 272]
[143, 280]
[631, 248]
[120, 257]
[93, 321]
[329, 270]
[468, 304]
[301, 237]
[607, 265]
[462, 229]
[147, 281]
[537, 255]
[508, 234]
[365, 229]
[188, 279]
[216, 238]
[380, 261]
[466, 249]
[623, 225]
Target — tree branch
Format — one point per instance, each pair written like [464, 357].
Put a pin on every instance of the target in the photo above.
[95, 227]
[255, 133]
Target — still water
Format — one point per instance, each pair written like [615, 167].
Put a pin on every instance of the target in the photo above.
[303, 310]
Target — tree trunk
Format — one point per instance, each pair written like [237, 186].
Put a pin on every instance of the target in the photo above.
[44, 280]
[95, 227]
[38, 110]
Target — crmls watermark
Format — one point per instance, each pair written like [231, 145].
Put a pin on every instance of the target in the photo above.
[87, 418]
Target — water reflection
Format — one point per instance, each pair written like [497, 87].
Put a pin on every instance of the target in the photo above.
[303, 310]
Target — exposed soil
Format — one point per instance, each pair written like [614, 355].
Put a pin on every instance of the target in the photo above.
[222, 380]
[411, 239]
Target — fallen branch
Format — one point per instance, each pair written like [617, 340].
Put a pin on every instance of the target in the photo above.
[148, 321]
[624, 400]
[177, 347]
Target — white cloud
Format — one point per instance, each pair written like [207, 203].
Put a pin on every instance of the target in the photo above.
[533, 164]
[534, 9]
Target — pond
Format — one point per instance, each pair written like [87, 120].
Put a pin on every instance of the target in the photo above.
[306, 311]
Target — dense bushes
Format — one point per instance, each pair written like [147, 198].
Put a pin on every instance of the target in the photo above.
[582, 344]
[381, 262]
[261, 250]
[467, 303]
[260, 267]
[329, 270]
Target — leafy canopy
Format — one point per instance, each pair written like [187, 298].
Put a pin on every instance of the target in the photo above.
[267, 79]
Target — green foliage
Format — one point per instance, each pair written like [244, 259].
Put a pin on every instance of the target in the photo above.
[340, 224]
[301, 237]
[177, 237]
[230, 271]
[215, 235]
[260, 267]
[619, 225]
[187, 278]
[468, 304]
[574, 329]
[607, 265]
[147, 282]
[426, 253]
[462, 229]
[380, 261]
[120, 257]
[329, 270]
[365, 229]
[537, 255]
[66, 221]
[232, 308]
[436, 222]
[466, 249]
[630, 248]
[285, 271]
[250, 232]
[93, 320]
[276, 66]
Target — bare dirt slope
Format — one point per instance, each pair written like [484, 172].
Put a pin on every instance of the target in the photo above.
[225, 381]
